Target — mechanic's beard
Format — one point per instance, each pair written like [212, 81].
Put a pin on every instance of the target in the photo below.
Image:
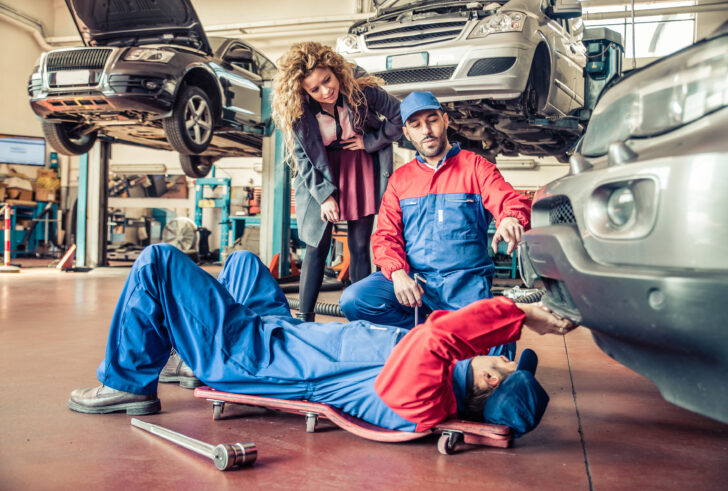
[434, 151]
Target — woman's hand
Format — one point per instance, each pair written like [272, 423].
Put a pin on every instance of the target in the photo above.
[355, 143]
[330, 210]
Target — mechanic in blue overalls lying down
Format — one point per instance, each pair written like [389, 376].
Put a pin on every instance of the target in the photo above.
[236, 334]
[433, 221]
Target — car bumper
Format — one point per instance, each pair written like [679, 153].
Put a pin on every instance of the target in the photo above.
[667, 325]
[118, 91]
[492, 71]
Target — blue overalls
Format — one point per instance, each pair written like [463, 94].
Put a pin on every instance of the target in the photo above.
[237, 335]
[445, 229]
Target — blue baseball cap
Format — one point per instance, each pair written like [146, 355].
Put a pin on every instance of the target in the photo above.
[520, 401]
[418, 101]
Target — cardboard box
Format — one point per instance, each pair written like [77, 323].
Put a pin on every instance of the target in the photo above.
[49, 173]
[19, 188]
[2, 191]
[42, 194]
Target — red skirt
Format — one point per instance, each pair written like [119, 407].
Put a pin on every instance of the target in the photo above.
[354, 171]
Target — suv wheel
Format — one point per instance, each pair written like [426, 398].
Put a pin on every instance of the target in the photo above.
[189, 129]
[196, 165]
[68, 138]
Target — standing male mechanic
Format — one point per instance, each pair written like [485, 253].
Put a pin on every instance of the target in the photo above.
[433, 221]
[237, 335]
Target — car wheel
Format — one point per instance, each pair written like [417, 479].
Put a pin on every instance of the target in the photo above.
[68, 138]
[534, 96]
[530, 98]
[189, 129]
[196, 165]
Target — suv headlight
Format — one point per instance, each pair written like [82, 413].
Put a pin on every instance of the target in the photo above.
[502, 22]
[662, 97]
[347, 44]
[149, 54]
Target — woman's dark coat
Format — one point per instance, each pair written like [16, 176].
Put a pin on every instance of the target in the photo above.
[314, 181]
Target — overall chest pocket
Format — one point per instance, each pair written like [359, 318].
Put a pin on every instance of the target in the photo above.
[458, 218]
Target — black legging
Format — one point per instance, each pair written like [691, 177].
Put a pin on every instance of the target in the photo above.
[358, 234]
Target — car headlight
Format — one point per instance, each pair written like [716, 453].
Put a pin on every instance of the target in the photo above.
[620, 206]
[347, 44]
[503, 22]
[149, 54]
[669, 94]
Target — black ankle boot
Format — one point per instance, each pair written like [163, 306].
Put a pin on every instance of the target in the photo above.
[306, 316]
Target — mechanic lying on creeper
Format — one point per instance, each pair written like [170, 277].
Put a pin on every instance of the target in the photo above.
[237, 335]
[433, 221]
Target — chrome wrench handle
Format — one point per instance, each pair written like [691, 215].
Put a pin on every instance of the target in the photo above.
[225, 456]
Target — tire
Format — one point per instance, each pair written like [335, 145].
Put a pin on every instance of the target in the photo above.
[189, 130]
[196, 165]
[64, 138]
[535, 95]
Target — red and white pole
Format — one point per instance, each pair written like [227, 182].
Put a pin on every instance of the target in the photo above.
[6, 267]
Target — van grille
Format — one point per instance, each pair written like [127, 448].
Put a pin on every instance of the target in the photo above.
[489, 66]
[413, 75]
[77, 59]
[413, 35]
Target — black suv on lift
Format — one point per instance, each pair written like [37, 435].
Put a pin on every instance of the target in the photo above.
[149, 75]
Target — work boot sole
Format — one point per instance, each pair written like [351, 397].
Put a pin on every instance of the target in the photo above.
[131, 408]
[186, 382]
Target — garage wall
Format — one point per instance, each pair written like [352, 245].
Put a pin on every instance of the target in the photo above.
[270, 26]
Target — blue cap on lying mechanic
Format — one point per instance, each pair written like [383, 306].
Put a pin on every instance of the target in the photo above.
[519, 401]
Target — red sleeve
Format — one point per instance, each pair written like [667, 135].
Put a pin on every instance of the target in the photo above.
[416, 381]
[388, 240]
[499, 197]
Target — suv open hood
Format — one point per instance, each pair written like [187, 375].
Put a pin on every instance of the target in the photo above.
[137, 22]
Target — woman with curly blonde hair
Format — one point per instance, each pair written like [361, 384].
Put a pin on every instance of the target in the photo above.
[339, 126]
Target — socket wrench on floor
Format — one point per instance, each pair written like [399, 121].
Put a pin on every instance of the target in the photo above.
[225, 455]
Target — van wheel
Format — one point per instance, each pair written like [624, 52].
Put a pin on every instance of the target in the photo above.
[68, 138]
[196, 165]
[189, 129]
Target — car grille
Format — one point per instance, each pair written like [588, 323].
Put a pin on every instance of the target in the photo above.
[416, 35]
[77, 59]
[489, 66]
[413, 75]
[561, 212]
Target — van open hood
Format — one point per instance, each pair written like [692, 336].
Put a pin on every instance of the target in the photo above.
[138, 22]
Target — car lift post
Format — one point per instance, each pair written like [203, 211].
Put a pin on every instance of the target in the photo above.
[275, 231]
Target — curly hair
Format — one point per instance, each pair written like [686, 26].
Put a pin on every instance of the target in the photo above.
[297, 64]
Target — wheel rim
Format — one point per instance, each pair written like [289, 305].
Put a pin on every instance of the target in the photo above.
[76, 139]
[198, 120]
[202, 166]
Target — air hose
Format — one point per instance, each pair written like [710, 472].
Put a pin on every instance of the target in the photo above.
[331, 309]
[334, 310]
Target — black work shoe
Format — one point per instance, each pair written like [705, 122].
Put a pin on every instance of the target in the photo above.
[176, 371]
[103, 399]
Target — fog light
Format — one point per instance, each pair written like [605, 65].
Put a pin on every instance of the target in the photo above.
[150, 85]
[620, 206]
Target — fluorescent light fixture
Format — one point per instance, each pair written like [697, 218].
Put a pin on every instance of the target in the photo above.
[138, 168]
[516, 164]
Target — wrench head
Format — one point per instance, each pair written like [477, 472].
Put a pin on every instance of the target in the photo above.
[228, 455]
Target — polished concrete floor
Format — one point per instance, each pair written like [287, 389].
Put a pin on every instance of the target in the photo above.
[606, 427]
